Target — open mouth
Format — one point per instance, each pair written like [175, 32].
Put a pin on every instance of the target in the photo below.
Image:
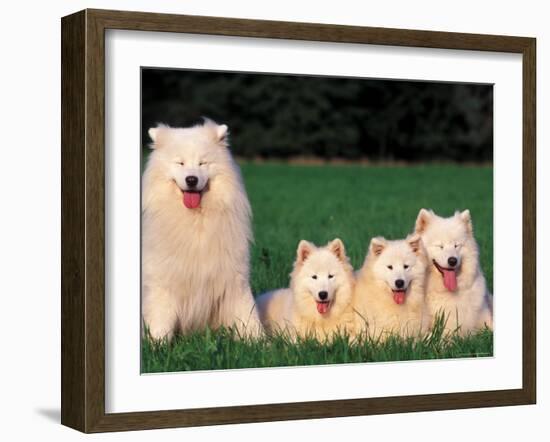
[192, 198]
[449, 276]
[323, 307]
[399, 296]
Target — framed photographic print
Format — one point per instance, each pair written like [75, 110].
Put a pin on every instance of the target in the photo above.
[269, 220]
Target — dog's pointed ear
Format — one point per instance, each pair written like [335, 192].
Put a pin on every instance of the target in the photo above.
[304, 250]
[422, 220]
[377, 245]
[415, 242]
[466, 218]
[157, 134]
[337, 247]
[221, 131]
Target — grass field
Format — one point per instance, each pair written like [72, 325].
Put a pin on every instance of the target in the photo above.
[354, 203]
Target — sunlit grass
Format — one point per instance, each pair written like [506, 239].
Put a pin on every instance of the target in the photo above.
[224, 349]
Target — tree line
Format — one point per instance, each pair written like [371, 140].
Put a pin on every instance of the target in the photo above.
[283, 116]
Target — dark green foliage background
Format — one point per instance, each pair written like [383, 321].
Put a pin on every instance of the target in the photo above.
[280, 116]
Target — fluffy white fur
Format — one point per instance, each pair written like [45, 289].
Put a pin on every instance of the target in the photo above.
[378, 313]
[469, 307]
[295, 310]
[195, 262]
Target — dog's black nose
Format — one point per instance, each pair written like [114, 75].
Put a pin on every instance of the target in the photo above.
[399, 283]
[323, 295]
[191, 180]
[452, 261]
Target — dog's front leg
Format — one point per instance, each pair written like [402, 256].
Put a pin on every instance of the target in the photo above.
[486, 318]
[159, 313]
[238, 309]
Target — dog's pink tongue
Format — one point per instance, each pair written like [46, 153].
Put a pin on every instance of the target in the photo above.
[322, 307]
[449, 279]
[399, 297]
[191, 200]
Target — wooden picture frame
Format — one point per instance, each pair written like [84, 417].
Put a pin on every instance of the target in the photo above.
[83, 220]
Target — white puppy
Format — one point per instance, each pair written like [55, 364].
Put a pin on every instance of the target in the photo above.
[389, 293]
[456, 286]
[318, 302]
[196, 233]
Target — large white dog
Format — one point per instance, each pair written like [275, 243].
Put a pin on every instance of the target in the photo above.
[319, 301]
[389, 293]
[456, 285]
[196, 234]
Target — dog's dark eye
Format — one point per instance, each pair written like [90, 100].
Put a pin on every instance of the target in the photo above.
[314, 276]
[330, 276]
[441, 247]
[181, 163]
[406, 266]
[202, 163]
[390, 267]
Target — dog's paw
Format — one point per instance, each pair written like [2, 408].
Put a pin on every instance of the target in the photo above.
[159, 333]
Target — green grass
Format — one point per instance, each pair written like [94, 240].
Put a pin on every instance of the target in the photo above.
[355, 203]
[224, 349]
[320, 203]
